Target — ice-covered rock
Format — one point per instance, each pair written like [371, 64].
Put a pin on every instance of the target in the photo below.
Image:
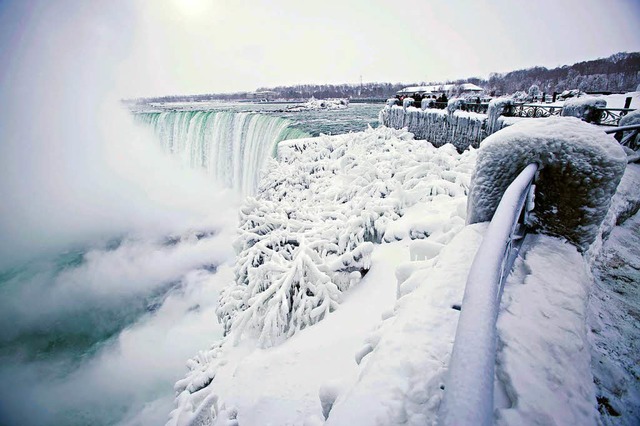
[580, 168]
[315, 104]
[584, 108]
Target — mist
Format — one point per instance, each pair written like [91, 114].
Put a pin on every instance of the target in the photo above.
[112, 252]
[73, 166]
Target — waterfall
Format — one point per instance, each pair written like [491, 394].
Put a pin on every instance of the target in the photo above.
[231, 146]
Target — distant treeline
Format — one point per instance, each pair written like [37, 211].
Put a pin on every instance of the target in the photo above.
[617, 73]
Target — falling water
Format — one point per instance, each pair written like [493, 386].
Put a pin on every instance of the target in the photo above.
[231, 146]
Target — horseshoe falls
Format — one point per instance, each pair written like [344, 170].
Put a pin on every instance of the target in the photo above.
[137, 214]
[230, 146]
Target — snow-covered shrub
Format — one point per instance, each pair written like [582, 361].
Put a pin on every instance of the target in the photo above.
[533, 92]
[519, 96]
[308, 236]
[584, 108]
[580, 168]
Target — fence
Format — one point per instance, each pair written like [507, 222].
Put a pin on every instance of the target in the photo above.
[469, 389]
[603, 116]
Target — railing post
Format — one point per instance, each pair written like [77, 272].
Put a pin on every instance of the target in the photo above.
[554, 96]
[627, 102]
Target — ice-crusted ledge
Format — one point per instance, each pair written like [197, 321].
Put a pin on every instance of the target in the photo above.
[461, 129]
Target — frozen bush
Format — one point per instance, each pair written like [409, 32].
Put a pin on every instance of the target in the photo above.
[580, 168]
[309, 234]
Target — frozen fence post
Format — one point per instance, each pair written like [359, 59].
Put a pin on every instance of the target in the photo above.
[581, 167]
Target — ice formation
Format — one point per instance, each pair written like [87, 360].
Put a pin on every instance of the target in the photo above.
[631, 139]
[231, 146]
[290, 270]
[314, 104]
[462, 129]
[308, 237]
[495, 110]
[584, 108]
[580, 166]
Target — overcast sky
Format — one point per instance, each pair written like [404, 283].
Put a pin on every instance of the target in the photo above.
[156, 47]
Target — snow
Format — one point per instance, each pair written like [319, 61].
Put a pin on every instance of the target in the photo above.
[614, 325]
[401, 380]
[334, 196]
[543, 359]
[396, 207]
[617, 100]
[631, 118]
[574, 157]
[584, 108]
[315, 104]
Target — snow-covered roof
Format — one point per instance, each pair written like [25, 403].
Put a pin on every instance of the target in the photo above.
[470, 87]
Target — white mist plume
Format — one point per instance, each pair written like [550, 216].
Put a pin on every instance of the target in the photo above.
[73, 166]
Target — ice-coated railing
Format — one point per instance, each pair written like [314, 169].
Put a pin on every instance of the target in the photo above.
[468, 397]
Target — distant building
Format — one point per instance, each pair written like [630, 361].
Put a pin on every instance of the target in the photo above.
[438, 89]
[264, 94]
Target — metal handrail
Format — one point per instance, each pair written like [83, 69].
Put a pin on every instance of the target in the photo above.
[623, 128]
[468, 398]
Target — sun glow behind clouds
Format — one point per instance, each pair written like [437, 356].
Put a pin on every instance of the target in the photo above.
[193, 9]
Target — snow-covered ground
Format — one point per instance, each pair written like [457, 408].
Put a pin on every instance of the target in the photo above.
[379, 350]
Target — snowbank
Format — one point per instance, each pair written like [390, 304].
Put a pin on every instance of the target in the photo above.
[580, 165]
[401, 379]
[543, 359]
[628, 139]
[613, 325]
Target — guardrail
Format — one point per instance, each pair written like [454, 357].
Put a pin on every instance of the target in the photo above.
[468, 398]
[611, 116]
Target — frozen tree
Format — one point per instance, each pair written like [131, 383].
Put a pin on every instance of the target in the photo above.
[534, 92]
[309, 234]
